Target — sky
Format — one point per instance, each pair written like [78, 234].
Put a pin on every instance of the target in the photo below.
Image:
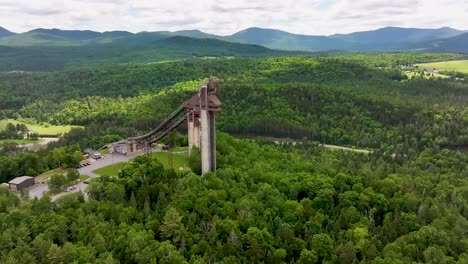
[223, 17]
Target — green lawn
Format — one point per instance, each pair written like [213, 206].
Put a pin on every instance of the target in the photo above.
[111, 170]
[180, 149]
[46, 130]
[20, 141]
[178, 161]
[458, 66]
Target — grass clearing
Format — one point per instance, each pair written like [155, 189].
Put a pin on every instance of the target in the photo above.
[457, 66]
[180, 149]
[42, 130]
[178, 160]
[111, 170]
[20, 141]
[104, 151]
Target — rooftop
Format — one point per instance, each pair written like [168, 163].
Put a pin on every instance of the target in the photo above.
[19, 180]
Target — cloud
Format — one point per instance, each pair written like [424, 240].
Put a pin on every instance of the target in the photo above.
[221, 9]
[40, 12]
[179, 22]
[315, 17]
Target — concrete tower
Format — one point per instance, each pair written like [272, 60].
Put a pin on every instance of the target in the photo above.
[203, 108]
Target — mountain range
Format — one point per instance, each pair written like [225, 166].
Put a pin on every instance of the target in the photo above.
[384, 39]
[6, 33]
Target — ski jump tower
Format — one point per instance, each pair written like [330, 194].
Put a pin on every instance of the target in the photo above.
[200, 111]
[203, 108]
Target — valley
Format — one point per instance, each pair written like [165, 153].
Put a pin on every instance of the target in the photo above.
[454, 66]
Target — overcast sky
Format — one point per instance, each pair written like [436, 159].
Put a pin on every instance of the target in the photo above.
[313, 17]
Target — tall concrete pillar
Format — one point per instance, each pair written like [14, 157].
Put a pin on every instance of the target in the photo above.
[205, 141]
[196, 134]
[190, 132]
[212, 141]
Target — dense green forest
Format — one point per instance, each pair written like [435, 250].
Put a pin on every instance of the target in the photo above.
[405, 202]
[325, 99]
[141, 49]
[264, 204]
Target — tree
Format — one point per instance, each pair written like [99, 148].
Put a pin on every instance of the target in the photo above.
[322, 245]
[195, 160]
[72, 175]
[258, 243]
[307, 257]
[172, 226]
[278, 256]
[57, 182]
[25, 195]
[54, 254]
[346, 253]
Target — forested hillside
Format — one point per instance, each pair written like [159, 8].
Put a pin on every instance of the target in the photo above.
[332, 100]
[264, 204]
[454, 44]
[143, 48]
[404, 202]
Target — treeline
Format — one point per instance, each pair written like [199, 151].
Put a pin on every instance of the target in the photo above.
[265, 204]
[13, 131]
[15, 163]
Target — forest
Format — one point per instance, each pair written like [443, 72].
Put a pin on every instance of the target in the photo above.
[404, 202]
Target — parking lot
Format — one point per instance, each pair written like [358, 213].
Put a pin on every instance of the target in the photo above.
[40, 189]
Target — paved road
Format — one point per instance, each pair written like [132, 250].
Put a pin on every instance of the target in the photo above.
[345, 148]
[34, 146]
[278, 142]
[40, 189]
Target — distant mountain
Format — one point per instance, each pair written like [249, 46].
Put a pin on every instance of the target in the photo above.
[384, 39]
[193, 34]
[454, 44]
[278, 39]
[80, 34]
[58, 37]
[397, 35]
[213, 47]
[389, 38]
[5, 33]
[36, 39]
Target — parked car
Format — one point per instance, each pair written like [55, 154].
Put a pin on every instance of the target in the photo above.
[86, 182]
[71, 188]
[98, 156]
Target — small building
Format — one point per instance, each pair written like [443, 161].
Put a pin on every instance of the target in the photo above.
[19, 183]
[124, 147]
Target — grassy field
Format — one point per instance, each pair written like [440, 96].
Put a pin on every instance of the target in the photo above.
[111, 170]
[178, 160]
[180, 163]
[20, 141]
[46, 130]
[457, 66]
